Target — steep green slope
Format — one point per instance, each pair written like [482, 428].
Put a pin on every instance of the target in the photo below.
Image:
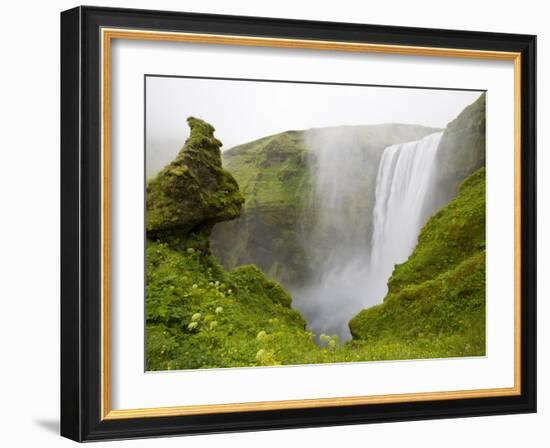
[274, 174]
[199, 316]
[274, 178]
[437, 297]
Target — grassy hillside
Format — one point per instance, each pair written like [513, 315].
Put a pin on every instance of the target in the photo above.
[274, 174]
[199, 316]
[437, 297]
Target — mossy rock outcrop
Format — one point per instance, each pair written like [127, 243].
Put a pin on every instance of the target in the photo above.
[193, 190]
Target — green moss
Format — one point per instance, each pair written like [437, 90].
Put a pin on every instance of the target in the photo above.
[438, 294]
[453, 234]
[193, 189]
[251, 279]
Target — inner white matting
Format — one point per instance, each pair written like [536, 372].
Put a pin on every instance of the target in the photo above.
[131, 387]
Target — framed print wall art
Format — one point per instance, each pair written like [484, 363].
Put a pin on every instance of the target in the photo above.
[272, 223]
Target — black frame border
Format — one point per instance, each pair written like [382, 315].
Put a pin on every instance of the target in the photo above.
[81, 223]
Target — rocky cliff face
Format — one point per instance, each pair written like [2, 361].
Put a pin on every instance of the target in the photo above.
[461, 151]
[193, 192]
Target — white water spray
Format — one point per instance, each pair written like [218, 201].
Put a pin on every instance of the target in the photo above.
[356, 246]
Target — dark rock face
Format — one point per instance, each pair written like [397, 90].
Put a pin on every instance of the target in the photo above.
[193, 192]
[461, 151]
[267, 237]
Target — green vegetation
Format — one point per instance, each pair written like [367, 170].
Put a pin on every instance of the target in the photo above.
[199, 315]
[437, 297]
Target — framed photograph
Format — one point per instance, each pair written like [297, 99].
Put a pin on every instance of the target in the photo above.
[272, 223]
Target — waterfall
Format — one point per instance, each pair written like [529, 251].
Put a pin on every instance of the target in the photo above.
[368, 216]
[403, 204]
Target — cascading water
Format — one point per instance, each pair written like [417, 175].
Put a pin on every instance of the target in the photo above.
[355, 246]
[402, 205]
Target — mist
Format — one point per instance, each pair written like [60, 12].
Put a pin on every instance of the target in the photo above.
[358, 245]
[342, 169]
[243, 111]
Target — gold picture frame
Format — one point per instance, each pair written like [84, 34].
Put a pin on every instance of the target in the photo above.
[106, 32]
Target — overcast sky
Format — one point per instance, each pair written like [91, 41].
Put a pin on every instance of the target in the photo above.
[242, 111]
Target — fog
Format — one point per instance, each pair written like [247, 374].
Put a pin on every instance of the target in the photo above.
[339, 243]
[356, 263]
[242, 111]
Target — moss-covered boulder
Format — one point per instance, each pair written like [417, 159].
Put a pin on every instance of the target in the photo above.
[193, 190]
[438, 294]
